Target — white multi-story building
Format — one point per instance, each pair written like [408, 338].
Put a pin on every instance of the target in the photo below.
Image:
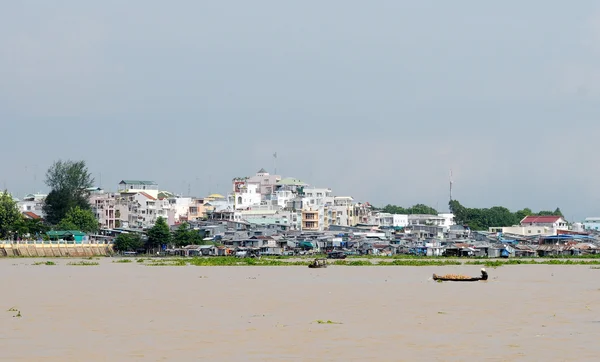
[32, 203]
[135, 186]
[382, 219]
[318, 196]
[142, 210]
[247, 196]
[339, 212]
[178, 208]
[448, 220]
[400, 220]
[423, 219]
[264, 181]
[591, 223]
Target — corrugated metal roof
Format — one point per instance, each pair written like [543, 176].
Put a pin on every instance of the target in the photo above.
[137, 182]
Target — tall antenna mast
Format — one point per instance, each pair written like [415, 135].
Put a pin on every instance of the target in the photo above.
[451, 185]
[275, 163]
[34, 178]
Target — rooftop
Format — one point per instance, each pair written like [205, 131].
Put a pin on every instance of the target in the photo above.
[290, 181]
[147, 196]
[31, 215]
[540, 219]
[63, 233]
[137, 182]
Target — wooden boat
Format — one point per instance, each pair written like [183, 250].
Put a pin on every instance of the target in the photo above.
[318, 263]
[461, 278]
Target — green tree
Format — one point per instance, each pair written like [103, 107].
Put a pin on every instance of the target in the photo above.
[159, 234]
[556, 212]
[33, 228]
[66, 225]
[521, 214]
[422, 209]
[9, 215]
[185, 235]
[79, 219]
[68, 182]
[415, 209]
[128, 242]
[460, 212]
[482, 219]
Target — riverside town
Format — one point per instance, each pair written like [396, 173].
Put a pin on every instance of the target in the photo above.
[266, 214]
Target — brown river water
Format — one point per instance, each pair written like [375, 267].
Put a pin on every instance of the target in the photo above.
[132, 312]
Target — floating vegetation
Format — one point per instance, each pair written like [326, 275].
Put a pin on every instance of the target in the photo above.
[497, 263]
[83, 263]
[44, 263]
[166, 262]
[14, 309]
[122, 261]
[355, 261]
[397, 262]
[327, 322]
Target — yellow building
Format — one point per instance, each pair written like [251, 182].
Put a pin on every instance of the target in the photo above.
[310, 220]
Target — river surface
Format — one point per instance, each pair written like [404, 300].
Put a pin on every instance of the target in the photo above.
[132, 312]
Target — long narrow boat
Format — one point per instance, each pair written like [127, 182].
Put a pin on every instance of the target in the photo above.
[461, 278]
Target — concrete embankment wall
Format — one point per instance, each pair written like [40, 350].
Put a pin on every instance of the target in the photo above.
[55, 250]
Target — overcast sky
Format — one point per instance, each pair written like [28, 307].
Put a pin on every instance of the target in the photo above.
[375, 99]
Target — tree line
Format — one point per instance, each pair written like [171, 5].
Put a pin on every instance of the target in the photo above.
[413, 210]
[66, 207]
[475, 218]
[159, 235]
[483, 219]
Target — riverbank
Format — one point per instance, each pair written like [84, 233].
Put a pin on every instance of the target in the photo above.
[287, 262]
[55, 250]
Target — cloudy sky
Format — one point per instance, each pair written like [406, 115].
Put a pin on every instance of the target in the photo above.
[377, 100]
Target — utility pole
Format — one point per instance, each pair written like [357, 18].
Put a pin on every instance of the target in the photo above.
[451, 185]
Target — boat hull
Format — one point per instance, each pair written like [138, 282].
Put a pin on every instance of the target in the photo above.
[435, 277]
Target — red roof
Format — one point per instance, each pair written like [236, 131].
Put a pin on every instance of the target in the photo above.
[148, 196]
[540, 219]
[31, 215]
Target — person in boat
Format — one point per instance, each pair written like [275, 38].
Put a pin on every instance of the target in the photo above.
[484, 274]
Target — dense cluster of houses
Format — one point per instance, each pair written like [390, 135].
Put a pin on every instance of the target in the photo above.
[270, 214]
[233, 237]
